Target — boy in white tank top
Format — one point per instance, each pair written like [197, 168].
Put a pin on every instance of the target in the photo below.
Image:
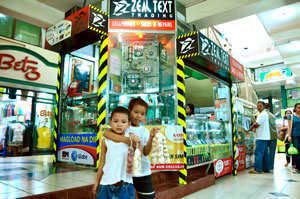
[112, 180]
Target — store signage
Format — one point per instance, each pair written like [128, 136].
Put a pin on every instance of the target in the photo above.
[241, 157]
[59, 32]
[24, 66]
[223, 167]
[142, 15]
[78, 148]
[212, 52]
[275, 75]
[237, 69]
[188, 45]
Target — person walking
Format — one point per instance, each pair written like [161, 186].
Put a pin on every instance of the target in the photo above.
[262, 137]
[272, 143]
[294, 133]
[284, 127]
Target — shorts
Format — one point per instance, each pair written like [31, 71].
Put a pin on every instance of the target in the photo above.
[143, 186]
[126, 191]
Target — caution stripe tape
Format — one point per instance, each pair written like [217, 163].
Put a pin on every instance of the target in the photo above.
[182, 115]
[102, 90]
[234, 138]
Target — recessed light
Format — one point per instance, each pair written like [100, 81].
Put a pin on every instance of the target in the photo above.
[246, 48]
[261, 64]
[284, 13]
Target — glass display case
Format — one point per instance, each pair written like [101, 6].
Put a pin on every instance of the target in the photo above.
[244, 117]
[207, 140]
[142, 65]
[80, 114]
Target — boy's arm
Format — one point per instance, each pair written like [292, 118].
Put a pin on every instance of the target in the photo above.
[100, 168]
[147, 148]
[115, 137]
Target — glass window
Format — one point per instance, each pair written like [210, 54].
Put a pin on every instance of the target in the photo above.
[27, 33]
[6, 24]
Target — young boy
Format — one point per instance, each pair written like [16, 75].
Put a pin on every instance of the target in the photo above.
[114, 181]
[138, 110]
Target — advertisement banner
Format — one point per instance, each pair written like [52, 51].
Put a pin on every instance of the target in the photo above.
[237, 69]
[174, 147]
[275, 75]
[142, 15]
[241, 157]
[223, 167]
[78, 148]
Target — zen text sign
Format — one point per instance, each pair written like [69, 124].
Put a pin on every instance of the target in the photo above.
[19, 65]
[142, 15]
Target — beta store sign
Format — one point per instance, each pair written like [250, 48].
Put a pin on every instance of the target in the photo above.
[142, 15]
[20, 65]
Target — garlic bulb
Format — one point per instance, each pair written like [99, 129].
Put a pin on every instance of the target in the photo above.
[159, 152]
[137, 162]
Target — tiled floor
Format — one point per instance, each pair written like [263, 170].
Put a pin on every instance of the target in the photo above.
[25, 176]
[20, 177]
[255, 186]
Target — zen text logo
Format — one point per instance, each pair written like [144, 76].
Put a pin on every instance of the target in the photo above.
[98, 20]
[186, 45]
[144, 8]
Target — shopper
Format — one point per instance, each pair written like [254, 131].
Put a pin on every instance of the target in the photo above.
[262, 137]
[138, 110]
[284, 127]
[294, 133]
[272, 143]
[189, 109]
[114, 181]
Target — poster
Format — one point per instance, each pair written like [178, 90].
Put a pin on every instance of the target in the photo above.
[223, 167]
[174, 140]
[82, 71]
[78, 148]
[275, 75]
[241, 157]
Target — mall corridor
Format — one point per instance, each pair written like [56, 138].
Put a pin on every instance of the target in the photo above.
[281, 183]
[26, 176]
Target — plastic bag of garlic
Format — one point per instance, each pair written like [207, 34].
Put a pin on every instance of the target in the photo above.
[159, 152]
[137, 162]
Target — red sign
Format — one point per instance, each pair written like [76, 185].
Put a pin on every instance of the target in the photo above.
[142, 24]
[29, 67]
[237, 69]
[167, 166]
[241, 158]
[223, 167]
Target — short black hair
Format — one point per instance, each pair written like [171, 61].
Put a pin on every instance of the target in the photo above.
[137, 101]
[267, 105]
[120, 109]
[192, 107]
[262, 102]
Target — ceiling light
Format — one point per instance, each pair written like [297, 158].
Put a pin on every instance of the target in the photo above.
[2, 15]
[246, 48]
[295, 45]
[284, 13]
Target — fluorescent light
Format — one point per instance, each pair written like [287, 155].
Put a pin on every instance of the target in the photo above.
[283, 13]
[2, 15]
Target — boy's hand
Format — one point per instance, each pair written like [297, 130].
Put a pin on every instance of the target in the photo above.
[154, 131]
[135, 138]
[94, 190]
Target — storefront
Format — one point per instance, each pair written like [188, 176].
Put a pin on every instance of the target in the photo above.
[209, 75]
[28, 85]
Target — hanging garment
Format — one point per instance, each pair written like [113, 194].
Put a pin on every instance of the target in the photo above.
[18, 131]
[27, 134]
[3, 129]
[44, 138]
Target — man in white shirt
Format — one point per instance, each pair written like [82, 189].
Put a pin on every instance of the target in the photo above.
[262, 137]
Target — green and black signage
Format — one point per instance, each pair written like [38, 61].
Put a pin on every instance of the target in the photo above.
[212, 52]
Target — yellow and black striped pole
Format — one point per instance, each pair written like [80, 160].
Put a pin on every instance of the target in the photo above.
[234, 138]
[182, 115]
[57, 108]
[102, 90]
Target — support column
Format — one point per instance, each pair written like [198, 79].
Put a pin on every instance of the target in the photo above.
[234, 138]
[283, 97]
[102, 91]
[182, 115]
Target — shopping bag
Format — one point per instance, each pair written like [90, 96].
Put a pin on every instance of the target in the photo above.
[292, 150]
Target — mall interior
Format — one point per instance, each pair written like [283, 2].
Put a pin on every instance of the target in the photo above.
[202, 66]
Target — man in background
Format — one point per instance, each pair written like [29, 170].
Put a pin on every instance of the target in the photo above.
[262, 137]
[272, 143]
